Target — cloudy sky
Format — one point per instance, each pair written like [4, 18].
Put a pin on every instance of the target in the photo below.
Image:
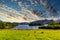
[35, 5]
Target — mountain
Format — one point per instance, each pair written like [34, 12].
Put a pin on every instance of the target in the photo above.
[40, 22]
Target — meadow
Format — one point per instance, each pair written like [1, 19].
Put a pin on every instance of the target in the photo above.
[42, 34]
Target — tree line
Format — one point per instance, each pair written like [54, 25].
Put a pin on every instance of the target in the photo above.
[53, 25]
[7, 25]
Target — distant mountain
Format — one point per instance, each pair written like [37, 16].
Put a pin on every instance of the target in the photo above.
[40, 22]
[24, 23]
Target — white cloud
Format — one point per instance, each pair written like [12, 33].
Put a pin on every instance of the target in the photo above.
[13, 0]
[20, 4]
[33, 2]
[36, 2]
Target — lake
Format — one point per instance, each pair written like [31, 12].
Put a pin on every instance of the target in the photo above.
[26, 27]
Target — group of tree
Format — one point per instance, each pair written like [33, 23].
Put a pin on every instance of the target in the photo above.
[53, 25]
[7, 25]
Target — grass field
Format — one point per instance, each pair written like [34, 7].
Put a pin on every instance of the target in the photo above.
[30, 34]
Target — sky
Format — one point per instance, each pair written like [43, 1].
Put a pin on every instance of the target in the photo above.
[34, 5]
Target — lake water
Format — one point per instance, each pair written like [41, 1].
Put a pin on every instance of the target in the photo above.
[26, 27]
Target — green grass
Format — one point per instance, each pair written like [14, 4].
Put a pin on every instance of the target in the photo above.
[30, 34]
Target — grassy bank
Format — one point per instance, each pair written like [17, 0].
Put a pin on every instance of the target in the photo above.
[30, 34]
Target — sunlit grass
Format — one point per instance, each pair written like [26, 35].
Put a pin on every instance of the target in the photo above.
[30, 34]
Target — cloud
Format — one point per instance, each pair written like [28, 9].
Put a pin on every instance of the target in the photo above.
[20, 3]
[23, 6]
[49, 7]
[2, 1]
[34, 2]
[31, 1]
[13, 0]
